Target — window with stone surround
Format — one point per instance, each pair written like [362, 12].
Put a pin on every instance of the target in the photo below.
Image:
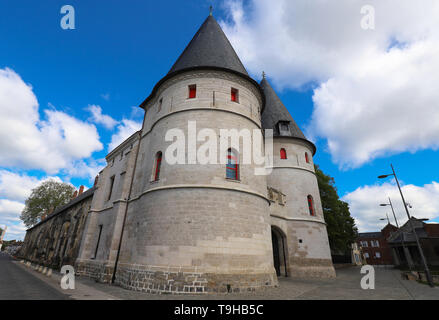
[232, 166]
[192, 91]
[234, 95]
[311, 208]
[111, 187]
[157, 165]
[306, 157]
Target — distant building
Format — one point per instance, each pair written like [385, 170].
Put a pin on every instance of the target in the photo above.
[375, 247]
[428, 234]
[2, 234]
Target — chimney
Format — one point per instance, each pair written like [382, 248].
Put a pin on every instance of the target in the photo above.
[75, 194]
[81, 190]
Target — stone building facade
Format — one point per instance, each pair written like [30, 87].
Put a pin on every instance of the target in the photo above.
[55, 241]
[165, 227]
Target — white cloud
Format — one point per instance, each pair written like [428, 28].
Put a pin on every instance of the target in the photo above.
[28, 142]
[99, 118]
[374, 89]
[364, 204]
[125, 129]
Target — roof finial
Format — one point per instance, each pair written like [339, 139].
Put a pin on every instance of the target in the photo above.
[263, 74]
[210, 10]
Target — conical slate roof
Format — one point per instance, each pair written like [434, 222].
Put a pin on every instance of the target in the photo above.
[209, 48]
[275, 111]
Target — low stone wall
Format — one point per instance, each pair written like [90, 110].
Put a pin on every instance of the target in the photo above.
[179, 281]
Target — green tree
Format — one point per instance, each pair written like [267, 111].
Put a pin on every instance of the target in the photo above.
[340, 225]
[46, 197]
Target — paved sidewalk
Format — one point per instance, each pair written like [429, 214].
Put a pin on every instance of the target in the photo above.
[388, 286]
[81, 291]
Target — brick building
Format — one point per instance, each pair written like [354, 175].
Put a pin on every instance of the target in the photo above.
[428, 234]
[375, 247]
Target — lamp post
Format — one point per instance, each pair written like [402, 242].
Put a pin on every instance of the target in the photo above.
[424, 261]
[402, 232]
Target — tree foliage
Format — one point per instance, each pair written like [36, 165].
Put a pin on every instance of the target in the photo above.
[342, 231]
[46, 197]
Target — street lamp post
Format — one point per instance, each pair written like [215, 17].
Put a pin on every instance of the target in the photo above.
[402, 232]
[424, 261]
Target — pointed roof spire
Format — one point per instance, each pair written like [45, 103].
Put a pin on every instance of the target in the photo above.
[210, 10]
[209, 48]
[276, 111]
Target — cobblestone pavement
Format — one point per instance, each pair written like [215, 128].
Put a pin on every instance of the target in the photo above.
[18, 284]
[388, 286]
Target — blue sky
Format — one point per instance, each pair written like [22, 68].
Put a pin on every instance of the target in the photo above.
[118, 52]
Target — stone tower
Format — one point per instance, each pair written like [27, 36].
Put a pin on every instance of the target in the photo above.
[166, 226]
[194, 227]
[300, 240]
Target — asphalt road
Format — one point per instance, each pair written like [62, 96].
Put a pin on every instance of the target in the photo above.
[18, 284]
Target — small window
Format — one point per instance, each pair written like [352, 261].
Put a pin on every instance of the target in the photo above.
[192, 91]
[159, 107]
[311, 206]
[377, 255]
[366, 255]
[364, 244]
[306, 157]
[97, 243]
[157, 165]
[234, 96]
[232, 167]
[111, 187]
[283, 153]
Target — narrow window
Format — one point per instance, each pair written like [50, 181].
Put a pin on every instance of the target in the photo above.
[232, 167]
[158, 163]
[234, 95]
[283, 153]
[192, 91]
[366, 255]
[311, 205]
[306, 157]
[111, 187]
[97, 243]
[159, 107]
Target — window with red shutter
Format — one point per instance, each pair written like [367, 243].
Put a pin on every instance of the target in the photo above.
[234, 95]
[192, 91]
[158, 163]
[311, 206]
[283, 153]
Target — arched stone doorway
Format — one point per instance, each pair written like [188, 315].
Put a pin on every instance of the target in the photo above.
[278, 240]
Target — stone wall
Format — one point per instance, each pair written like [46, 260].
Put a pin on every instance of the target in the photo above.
[55, 241]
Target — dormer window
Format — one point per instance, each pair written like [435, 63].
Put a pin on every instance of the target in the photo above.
[192, 91]
[234, 96]
[284, 128]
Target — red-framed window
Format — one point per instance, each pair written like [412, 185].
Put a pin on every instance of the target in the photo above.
[192, 91]
[232, 167]
[158, 163]
[311, 206]
[306, 157]
[234, 95]
[283, 153]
